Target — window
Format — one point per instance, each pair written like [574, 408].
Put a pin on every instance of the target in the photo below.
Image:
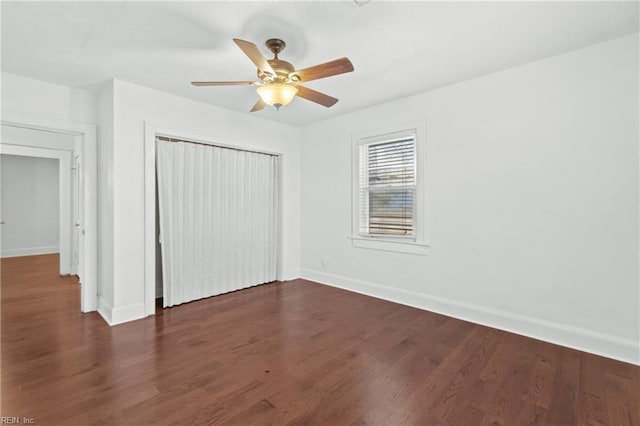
[387, 176]
[387, 201]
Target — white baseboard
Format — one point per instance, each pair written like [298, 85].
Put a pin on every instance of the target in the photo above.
[30, 251]
[561, 334]
[105, 309]
[127, 313]
[120, 314]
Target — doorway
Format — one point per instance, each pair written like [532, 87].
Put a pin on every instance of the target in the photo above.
[36, 204]
[84, 148]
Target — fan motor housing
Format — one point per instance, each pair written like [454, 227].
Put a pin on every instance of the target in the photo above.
[283, 71]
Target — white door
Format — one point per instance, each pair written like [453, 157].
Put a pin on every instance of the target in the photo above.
[77, 215]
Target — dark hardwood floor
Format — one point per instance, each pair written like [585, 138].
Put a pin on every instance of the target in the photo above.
[287, 353]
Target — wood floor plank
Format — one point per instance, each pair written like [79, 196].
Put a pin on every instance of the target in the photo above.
[286, 353]
[563, 409]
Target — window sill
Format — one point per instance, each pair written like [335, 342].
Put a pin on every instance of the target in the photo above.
[396, 246]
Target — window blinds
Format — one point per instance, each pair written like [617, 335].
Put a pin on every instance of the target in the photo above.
[387, 181]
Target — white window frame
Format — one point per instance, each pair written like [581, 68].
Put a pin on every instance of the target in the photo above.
[415, 244]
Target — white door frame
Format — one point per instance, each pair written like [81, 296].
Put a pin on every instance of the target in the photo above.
[64, 189]
[87, 149]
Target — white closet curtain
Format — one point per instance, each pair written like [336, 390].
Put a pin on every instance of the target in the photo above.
[218, 219]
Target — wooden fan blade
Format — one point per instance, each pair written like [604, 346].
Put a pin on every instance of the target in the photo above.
[252, 51]
[317, 97]
[259, 105]
[328, 69]
[223, 83]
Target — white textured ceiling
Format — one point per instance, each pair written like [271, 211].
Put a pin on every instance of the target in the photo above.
[397, 48]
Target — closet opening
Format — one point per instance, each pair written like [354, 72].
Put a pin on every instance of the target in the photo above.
[217, 219]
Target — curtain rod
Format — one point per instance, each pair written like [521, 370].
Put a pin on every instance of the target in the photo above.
[169, 139]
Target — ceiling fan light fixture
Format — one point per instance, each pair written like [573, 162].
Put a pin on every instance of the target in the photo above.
[280, 82]
[277, 94]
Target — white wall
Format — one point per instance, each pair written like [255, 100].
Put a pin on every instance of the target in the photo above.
[133, 106]
[532, 189]
[30, 205]
[26, 96]
[104, 112]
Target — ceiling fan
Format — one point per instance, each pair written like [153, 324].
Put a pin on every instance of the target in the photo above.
[279, 81]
